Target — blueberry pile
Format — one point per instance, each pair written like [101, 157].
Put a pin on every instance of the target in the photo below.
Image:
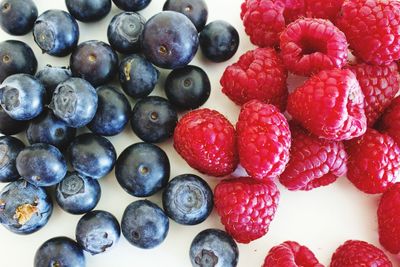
[66, 114]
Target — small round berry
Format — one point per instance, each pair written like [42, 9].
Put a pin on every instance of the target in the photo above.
[88, 10]
[9, 126]
[51, 77]
[131, 5]
[10, 147]
[195, 10]
[17, 17]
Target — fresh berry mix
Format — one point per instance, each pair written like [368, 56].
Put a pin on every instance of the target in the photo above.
[390, 122]
[9, 150]
[18, 16]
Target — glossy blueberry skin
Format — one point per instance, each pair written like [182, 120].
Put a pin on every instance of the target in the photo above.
[22, 96]
[50, 77]
[41, 164]
[59, 251]
[144, 224]
[213, 247]
[92, 155]
[219, 41]
[9, 150]
[170, 40]
[9, 126]
[142, 169]
[94, 61]
[74, 102]
[24, 208]
[17, 16]
[137, 76]
[131, 5]
[188, 87]
[124, 32]
[56, 33]
[88, 10]
[195, 10]
[97, 231]
[154, 119]
[188, 199]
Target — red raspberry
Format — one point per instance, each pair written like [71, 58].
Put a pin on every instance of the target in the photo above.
[314, 162]
[355, 253]
[311, 45]
[263, 140]
[259, 74]
[207, 141]
[246, 207]
[380, 85]
[324, 9]
[291, 254]
[294, 9]
[390, 122]
[372, 29]
[374, 162]
[330, 105]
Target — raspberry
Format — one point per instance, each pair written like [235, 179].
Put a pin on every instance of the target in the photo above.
[314, 162]
[207, 141]
[246, 207]
[359, 253]
[263, 140]
[330, 105]
[311, 45]
[259, 74]
[294, 9]
[390, 122]
[372, 29]
[291, 254]
[374, 162]
[324, 9]
[380, 85]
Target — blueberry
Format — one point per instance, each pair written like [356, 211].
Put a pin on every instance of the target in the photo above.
[112, 113]
[18, 16]
[97, 231]
[78, 194]
[92, 155]
[170, 40]
[94, 61]
[214, 248]
[125, 32]
[219, 41]
[142, 169]
[41, 164]
[56, 32]
[88, 10]
[144, 224]
[24, 208]
[153, 119]
[9, 126]
[22, 96]
[16, 57]
[59, 251]
[137, 76]
[188, 199]
[50, 77]
[195, 10]
[9, 150]
[75, 102]
[131, 5]
[188, 87]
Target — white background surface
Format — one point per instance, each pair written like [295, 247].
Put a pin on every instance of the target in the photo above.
[322, 219]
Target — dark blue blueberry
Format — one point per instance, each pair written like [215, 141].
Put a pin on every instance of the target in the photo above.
[170, 40]
[188, 199]
[18, 16]
[22, 96]
[50, 77]
[92, 155]
[9, 150]
[88, 10]
[144, 224]
[59, 252]
[188, 87]
[16, 57]
[219, 41]
[94, 61]
[56, 32]
[75, 102]
[97, 231]
[24, 208]
[131, 5]
[195, 10]
[213, 248]
[112, 114]
[142, 169]
[137, 76]
[9, 126]
[153, 119]
[125, 32]
[41, 164]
